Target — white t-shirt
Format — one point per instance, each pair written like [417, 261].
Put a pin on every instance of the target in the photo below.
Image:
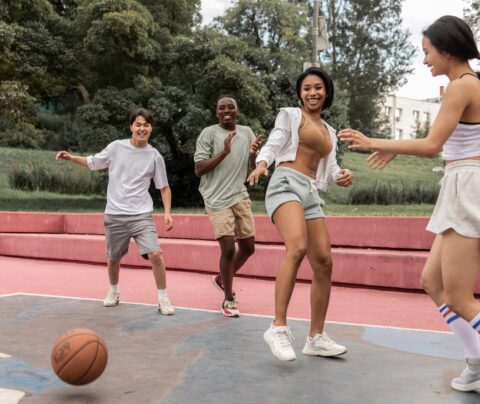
[130, 170]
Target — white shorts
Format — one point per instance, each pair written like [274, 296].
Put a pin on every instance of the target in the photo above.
[458, 204]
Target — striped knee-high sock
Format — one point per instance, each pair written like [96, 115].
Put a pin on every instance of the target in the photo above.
[463, 330]
[475, 323]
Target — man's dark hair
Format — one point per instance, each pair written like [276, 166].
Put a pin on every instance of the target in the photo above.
[325, 78]
[226, 96]
[145, 113]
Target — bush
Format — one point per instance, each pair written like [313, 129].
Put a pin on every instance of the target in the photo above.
[42, 177]
[393, 194]
[183, 183]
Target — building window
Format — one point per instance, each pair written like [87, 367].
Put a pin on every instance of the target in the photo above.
[398, 114]
[399, 133]
[416, 115]
[427, 116]
[388, 111]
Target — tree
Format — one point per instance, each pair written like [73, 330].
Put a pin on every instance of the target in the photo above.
[421, 129]
[472, 16]
[369, 54]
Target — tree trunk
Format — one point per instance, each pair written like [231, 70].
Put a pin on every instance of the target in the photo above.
[80, 87]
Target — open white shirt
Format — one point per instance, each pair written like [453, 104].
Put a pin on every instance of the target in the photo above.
[130, 171]
[282, 145]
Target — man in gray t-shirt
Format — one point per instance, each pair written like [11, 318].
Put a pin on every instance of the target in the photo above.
[132, 164]
[222, 156]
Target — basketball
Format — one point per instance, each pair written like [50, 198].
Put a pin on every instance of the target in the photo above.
[79, 356]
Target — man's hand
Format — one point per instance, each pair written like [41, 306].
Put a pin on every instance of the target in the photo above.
[228, 142]
[345, 178]
[168, 220]
[255, 145]
[63, 155]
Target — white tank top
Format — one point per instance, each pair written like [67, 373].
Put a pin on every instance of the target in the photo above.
[464, 142]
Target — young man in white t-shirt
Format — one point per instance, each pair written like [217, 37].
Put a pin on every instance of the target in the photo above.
[132, 164]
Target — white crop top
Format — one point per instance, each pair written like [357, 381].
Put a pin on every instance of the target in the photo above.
[464, 142]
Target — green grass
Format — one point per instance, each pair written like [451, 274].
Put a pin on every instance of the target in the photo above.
[402, 170]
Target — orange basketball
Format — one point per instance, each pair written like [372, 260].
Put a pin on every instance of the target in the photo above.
[79, 356]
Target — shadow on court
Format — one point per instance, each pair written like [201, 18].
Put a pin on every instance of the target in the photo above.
[202, 357]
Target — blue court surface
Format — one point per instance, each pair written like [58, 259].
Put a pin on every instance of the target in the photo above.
[201, 357]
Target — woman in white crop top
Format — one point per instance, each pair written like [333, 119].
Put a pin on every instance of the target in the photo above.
[302, 145]
[453, 264]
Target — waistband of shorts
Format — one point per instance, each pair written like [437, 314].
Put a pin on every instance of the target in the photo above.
[295, 173]
[461, 164]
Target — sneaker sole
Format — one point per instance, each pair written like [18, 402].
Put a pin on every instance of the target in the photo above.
[273, 353]
[110, 305]
[230, 315]
[165, 314]
[324, 354]
[475, 386]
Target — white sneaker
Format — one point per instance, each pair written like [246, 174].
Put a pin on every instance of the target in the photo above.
[229, 308]
[469, 380]
[279, 339]
[322, 345]
[165, 307]
[112, 299]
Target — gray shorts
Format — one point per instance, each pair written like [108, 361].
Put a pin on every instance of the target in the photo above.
[120, 228]
[288, 185]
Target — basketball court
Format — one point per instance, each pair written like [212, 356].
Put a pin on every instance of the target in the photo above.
[198, 356]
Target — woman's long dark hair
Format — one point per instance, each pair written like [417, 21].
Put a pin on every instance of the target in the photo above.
[451, 35]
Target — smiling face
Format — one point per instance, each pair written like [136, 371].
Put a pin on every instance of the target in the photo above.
[435, 60]
[313, 93]
[227, 112]
[141, 131]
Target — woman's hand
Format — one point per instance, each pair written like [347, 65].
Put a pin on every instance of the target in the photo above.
[168, 221]
[256, 144]
[379, 160]
[254, 176]
[357, 140]
[345, 178]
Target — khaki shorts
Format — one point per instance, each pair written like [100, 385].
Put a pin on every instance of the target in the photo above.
[237, 220]
[120, 228]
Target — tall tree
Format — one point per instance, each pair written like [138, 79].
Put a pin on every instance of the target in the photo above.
[369, 54]
[472, 16]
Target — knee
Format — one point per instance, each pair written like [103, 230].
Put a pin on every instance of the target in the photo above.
[296, 252]
[248, 249]
[323, 266]
[156, 257]
[228, 250]
[430, 287]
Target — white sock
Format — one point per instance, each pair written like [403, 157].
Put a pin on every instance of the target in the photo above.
[114, 288]
[162, 294]
[464, 331]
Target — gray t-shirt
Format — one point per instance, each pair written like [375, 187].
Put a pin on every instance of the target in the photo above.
[224, 186]
[130, 170]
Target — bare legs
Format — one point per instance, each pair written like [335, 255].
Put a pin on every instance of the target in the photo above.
[450, 273]
[232, 260]
[302, 238]
[158, 267]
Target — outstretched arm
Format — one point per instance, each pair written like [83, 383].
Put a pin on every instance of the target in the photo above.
[453, 105]
[64, 155]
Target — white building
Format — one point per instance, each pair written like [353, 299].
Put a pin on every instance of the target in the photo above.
[406, 114]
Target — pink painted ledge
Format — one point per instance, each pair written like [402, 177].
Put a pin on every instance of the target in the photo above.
[406, 233]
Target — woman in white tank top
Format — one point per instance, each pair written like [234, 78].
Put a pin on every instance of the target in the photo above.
[453, 264]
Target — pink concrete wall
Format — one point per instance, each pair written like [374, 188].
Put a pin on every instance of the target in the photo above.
[377, 232]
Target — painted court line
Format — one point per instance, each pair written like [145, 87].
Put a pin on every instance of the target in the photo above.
[10, 294]
[242, 314]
